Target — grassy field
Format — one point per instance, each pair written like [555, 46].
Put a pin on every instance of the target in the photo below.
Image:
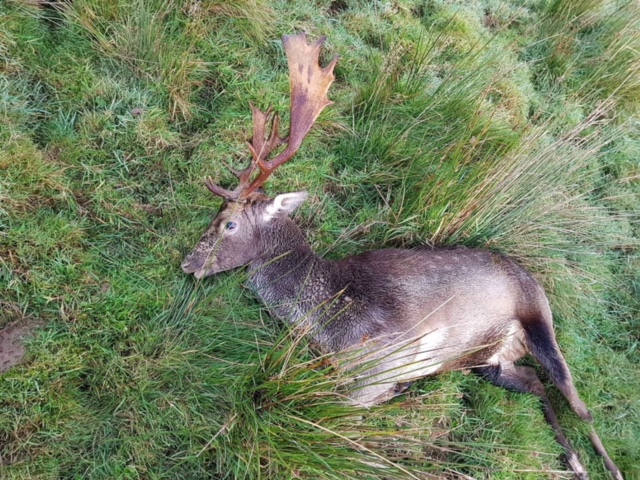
[511, 125]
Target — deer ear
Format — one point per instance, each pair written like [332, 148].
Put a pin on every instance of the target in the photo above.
[285, 203]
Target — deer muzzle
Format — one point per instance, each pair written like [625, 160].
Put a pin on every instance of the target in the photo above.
[200, 266]
[192, 265]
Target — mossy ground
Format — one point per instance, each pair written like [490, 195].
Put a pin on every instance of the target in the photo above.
[503, 124]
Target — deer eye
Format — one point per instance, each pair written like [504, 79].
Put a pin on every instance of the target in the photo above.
[231, 225]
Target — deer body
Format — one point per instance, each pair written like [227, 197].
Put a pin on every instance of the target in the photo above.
[390, 316]
[393, 295]
[419, 311]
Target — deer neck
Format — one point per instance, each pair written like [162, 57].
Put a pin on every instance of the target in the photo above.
[287, 275]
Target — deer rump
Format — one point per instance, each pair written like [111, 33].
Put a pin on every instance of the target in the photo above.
[390, 316]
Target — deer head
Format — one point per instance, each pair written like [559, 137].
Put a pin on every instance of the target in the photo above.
[234, 237]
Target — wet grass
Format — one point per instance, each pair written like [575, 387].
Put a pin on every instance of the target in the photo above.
[506, 125]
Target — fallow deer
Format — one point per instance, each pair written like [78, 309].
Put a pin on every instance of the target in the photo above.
[413, 312]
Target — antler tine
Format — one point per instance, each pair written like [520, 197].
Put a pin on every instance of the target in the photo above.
[221, 192]
[309, 86]
[259, 148]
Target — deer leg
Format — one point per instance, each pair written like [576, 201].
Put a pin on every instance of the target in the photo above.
[599, 448]
[401, 388]
[525, 380]
[545, 349]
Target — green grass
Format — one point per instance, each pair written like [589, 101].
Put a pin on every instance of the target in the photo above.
[503, 124]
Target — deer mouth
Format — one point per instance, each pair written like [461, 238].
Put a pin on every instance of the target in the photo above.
[199, 269]
[203, 273]
[192, 266]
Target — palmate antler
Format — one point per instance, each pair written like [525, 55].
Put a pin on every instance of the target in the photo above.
[309, 86]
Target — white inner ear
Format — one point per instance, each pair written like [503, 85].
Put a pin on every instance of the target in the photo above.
[285, 203]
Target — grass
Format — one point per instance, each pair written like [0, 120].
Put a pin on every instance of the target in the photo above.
[499, 124]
